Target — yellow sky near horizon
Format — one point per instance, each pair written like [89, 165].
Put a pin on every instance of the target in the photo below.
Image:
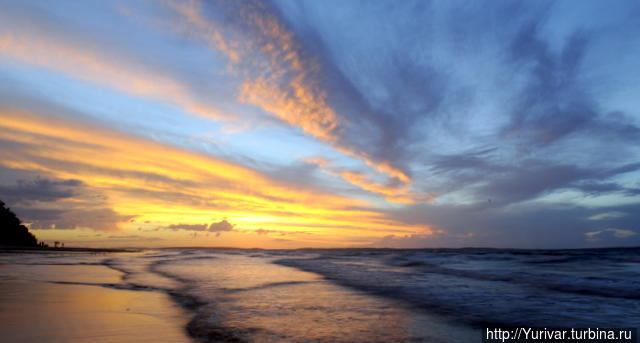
[155, 195]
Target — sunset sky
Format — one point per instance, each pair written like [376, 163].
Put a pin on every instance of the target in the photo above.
[306, 123]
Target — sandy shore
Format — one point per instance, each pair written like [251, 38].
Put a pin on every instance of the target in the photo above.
[35, 310]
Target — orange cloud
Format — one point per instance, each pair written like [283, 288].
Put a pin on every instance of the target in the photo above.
[395, 194]
[277, 78]
[301, 108]
[287, 90]
[381, 166]
[165, 185]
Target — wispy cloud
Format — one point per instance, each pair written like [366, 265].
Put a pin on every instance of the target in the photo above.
[29, 44]
[617, 233]
[280, 77]
[161, 183]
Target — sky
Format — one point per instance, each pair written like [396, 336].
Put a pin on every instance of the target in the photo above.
[288, 124]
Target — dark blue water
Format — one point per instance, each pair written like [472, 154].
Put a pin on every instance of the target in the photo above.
[577, 288]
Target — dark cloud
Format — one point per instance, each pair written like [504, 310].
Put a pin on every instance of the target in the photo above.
[39, 189]
[528, 181]
[188, 227]
[526, 226]
[487, 181]
[104, 219]
[39, 214]
[220, 227]
[216, 227]
[42, 202]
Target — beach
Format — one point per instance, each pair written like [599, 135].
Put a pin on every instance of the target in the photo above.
[49, 303]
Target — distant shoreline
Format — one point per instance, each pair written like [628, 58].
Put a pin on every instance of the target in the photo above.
[18, 249]
[401, 249]
[14, 249]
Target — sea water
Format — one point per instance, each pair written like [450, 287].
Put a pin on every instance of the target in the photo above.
[371, 295]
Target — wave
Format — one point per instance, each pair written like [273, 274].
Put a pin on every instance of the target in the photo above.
[495, 287]
[600, 286]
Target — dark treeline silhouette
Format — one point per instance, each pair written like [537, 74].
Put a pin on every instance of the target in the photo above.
[12, 232]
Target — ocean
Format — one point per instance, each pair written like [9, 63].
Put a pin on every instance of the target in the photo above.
[367, 295]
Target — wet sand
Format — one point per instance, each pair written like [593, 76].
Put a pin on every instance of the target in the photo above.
[61, 310]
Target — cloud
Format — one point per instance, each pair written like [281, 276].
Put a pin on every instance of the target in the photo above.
[483, 178]
[222, 225]
[262, 231]
[200, 27]
[71, 218]
[217, 227]
[39, 189]
[30, 214]
[281, 78]
[188, 227]
[607, 215]
[528, 225]
[392, 192]
[617, 233]
[57, 203]
[66, 51]
[281, 87]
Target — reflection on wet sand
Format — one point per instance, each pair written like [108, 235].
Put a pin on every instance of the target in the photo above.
[45, 312]
[224, 296]
[252, 299]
